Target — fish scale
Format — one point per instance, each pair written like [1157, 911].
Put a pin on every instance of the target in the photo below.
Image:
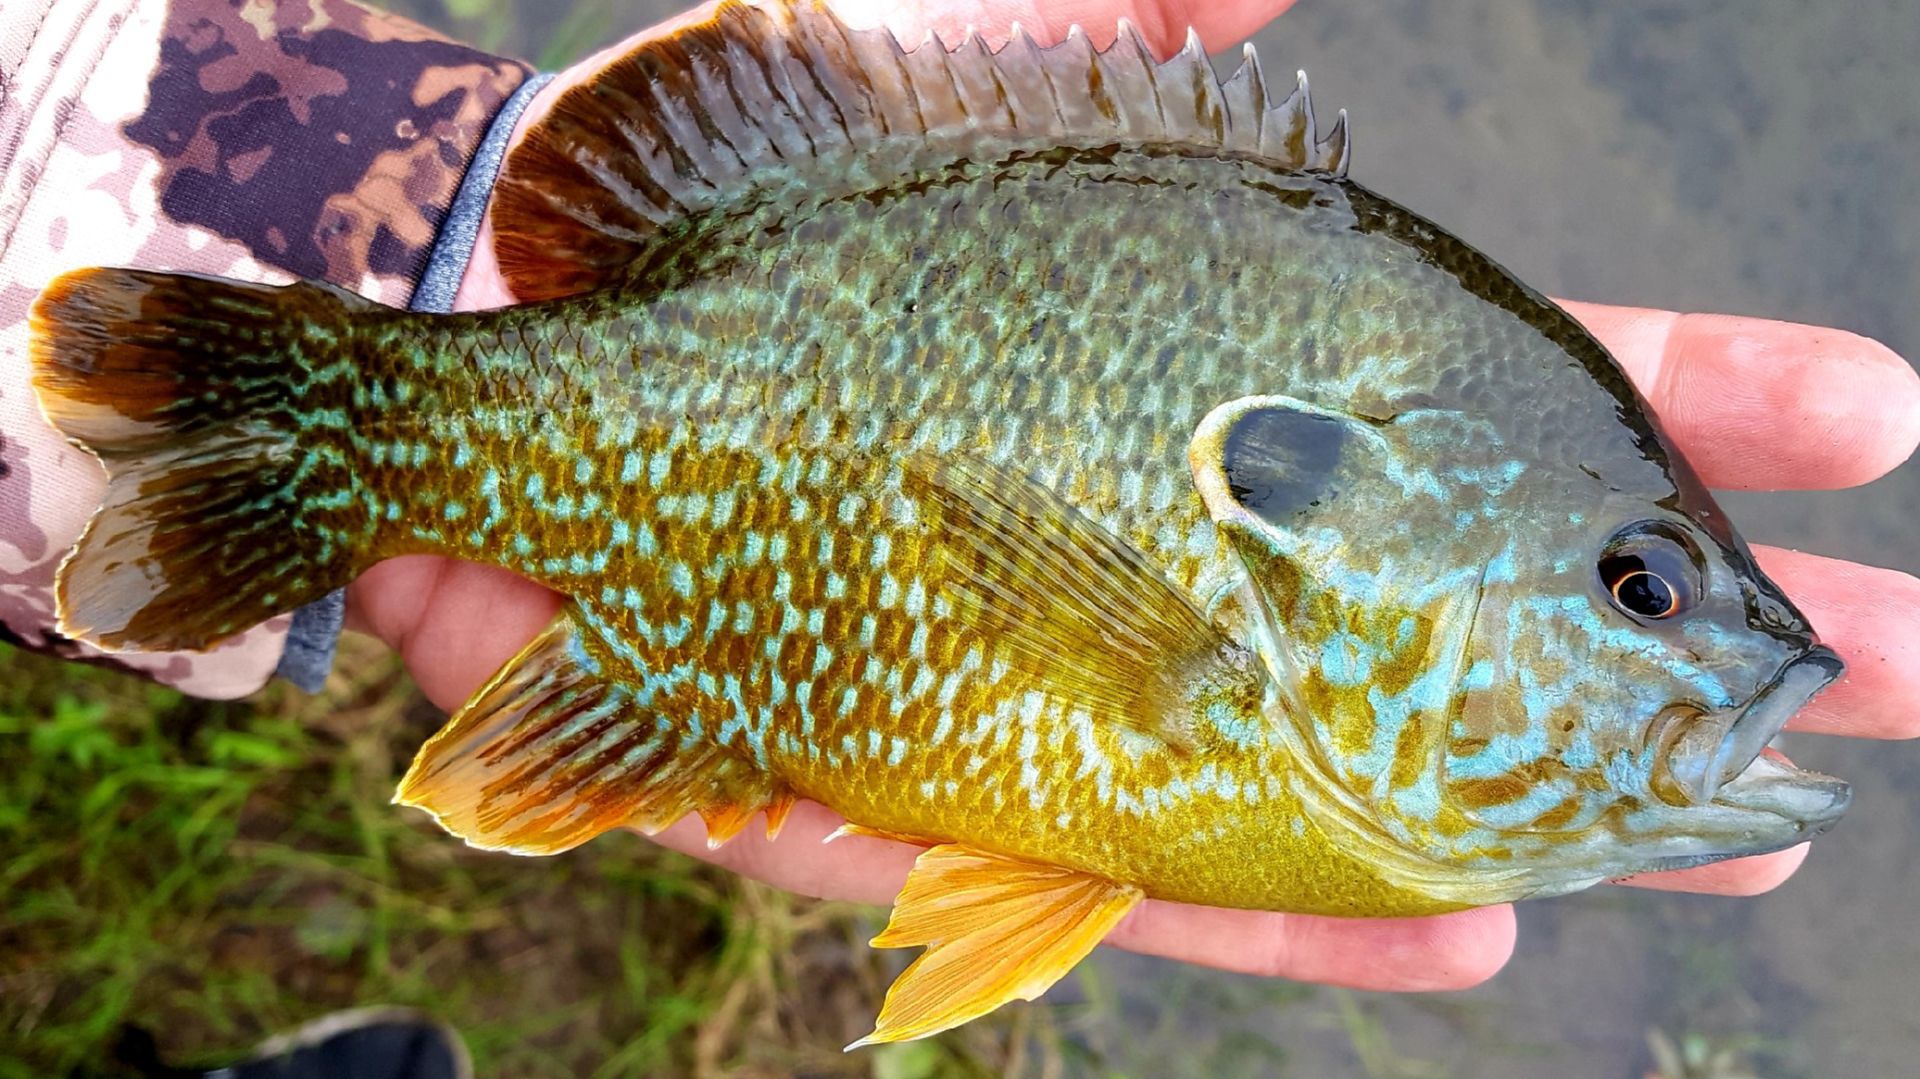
[1049, 458]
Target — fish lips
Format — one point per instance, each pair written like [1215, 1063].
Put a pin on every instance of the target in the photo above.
[1734, 773]
[1770, 807]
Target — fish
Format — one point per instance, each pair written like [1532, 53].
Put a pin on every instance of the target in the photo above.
[1049, 457]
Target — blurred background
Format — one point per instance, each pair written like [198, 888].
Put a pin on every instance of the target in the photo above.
[199, 875]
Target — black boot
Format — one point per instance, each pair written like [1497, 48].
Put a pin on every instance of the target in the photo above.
[366, 1043]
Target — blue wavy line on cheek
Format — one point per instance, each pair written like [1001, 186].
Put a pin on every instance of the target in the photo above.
[1346, 660]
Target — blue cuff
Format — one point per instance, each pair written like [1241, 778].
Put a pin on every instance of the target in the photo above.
[316, 627]
[461, 227]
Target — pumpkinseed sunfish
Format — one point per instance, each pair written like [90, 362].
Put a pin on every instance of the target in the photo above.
[1049, 457]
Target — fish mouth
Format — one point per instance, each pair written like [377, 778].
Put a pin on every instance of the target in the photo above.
[1774, 804]
[1715, 751]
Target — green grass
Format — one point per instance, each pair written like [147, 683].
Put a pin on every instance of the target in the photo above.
[212, 873]
[508, 27]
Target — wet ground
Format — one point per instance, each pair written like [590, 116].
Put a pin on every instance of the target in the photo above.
[1757, 157]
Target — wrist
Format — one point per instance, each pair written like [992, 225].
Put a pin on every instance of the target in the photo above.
[480, 285]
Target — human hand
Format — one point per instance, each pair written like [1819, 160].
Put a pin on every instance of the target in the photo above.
[1753, 404]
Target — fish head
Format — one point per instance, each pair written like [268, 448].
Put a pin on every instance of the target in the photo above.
[1503, 676]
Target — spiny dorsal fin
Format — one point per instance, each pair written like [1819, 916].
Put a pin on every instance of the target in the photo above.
[760, 95]
[1075, 607]
[995, 929]
[551, 753]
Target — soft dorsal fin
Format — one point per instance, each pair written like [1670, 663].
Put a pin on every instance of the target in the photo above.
[551, 752]
[764, 94]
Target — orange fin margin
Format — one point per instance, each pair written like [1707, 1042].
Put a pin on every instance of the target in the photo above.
[550, 754]
[995, 929]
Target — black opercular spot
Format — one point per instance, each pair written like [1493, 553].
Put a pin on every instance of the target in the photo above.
[1279, 461]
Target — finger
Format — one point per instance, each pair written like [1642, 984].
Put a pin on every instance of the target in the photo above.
[1163, 23]
[1447, 951]
[1451, 951]
[1739, 876]
[1758, 404]
[1871, 617]
[858, 868]
[454, 623]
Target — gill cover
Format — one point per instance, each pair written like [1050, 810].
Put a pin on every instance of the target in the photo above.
[1368, 542]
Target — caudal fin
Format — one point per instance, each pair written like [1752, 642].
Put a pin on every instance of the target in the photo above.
[192, 390]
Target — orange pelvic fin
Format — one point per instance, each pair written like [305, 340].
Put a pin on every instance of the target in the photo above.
[995, 929]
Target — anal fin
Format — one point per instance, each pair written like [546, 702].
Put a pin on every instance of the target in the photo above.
[995, 929]
[552, 752]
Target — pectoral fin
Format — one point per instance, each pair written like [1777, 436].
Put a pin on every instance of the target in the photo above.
[1076, 606]
[995, 929]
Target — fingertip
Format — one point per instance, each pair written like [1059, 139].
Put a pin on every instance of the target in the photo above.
[1871, 616]
[1761, 404]
[1902, 398]
[1796, 406]
[1859, 398]
[1492, 935]
[1450, 951]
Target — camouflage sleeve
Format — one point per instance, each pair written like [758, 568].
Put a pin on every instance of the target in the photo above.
[260, 140]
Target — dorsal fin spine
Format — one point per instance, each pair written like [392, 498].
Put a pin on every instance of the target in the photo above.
[1335, 149]
[1021, 48]
[1298, 128]
[840, 75]
[1140, 57]
[725, 160]
[1245, 100]
[748, 139]
[1209, 108]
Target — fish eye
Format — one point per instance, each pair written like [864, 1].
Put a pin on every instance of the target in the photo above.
[1649, 573]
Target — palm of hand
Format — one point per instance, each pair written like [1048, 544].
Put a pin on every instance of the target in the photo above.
[1753, 404]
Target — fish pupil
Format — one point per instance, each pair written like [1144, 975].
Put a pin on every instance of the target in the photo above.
[1640, 590]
